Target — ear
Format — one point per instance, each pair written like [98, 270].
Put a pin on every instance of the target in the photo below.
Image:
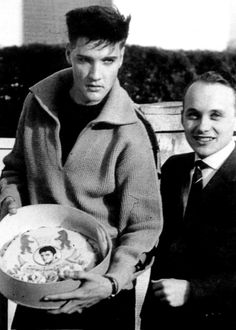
[68, 53]
[234, 123]
[182, 116]
[122, 52]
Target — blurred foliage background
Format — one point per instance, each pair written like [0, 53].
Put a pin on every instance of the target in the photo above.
[148, 74]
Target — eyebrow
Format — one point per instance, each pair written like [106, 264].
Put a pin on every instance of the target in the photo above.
[191, 109]
[110, 57]
[114, 57]
[211, 110]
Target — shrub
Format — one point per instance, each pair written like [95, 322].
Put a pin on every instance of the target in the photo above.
[148, 74]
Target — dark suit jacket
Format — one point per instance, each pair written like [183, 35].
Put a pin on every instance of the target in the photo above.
[202, 248]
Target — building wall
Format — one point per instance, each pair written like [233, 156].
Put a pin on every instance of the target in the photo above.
[44, 20]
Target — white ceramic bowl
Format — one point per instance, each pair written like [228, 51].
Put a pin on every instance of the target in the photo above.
[49, 215]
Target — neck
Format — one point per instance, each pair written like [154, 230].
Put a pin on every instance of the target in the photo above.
[76, 98]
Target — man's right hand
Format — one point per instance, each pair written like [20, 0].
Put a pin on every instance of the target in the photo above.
[8, 205]
[172, 291]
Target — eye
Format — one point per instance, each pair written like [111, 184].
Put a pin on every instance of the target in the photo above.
[216, 115]
[81, 59]
[192, 115]
[108, 60]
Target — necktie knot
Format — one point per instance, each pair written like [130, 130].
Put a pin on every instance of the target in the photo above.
[197, 174]
[195, 192]
[200, 164]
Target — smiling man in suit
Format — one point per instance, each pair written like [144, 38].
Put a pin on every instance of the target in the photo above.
[193, 279]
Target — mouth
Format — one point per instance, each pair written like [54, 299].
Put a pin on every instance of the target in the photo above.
[94, 88]
[202, 139]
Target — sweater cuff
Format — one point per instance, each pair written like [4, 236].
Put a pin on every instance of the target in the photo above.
[123, 274]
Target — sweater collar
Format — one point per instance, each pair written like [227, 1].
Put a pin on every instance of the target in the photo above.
[118, 109]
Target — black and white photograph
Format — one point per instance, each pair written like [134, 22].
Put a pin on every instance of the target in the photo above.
[117, 164]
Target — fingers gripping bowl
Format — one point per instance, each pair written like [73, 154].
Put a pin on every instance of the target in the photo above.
[42, 246]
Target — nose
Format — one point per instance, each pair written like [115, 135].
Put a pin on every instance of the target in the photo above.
[204, 124]
[95, 72]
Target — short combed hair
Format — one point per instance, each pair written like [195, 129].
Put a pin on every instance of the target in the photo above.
[213, 77]
[97, 23]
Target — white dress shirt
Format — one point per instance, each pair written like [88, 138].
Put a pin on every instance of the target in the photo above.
[213, 163]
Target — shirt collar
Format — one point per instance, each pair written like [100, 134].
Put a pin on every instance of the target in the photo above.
[217, 159]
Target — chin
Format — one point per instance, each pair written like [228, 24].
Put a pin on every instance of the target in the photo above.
[95, 97]
[203, 153]
[93, 101]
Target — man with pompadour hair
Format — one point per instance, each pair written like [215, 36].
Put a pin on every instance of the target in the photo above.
[82, 142]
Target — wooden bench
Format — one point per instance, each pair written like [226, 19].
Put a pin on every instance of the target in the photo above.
[165, 120]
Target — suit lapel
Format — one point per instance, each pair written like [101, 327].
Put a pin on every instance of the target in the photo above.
[224, 176]
[215, 193]
[185, 165]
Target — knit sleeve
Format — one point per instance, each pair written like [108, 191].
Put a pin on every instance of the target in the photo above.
[140, 213]
[13, 177]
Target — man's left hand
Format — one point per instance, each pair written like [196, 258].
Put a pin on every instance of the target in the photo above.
[93, 289]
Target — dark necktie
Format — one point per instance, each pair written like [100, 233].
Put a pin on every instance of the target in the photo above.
[195, 192]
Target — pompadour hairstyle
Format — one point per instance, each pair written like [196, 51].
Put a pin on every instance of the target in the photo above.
[97, 23]
[47, 248]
